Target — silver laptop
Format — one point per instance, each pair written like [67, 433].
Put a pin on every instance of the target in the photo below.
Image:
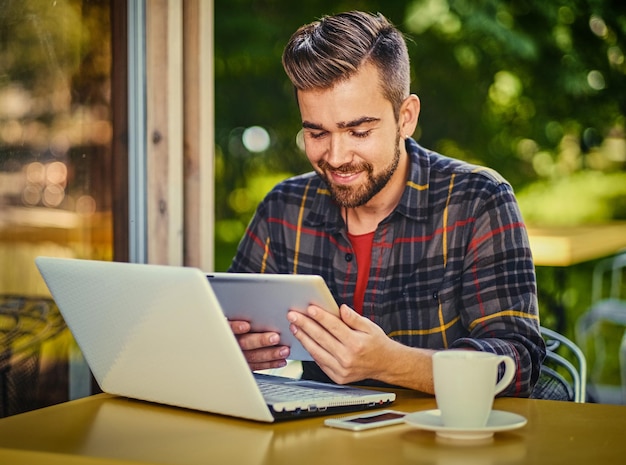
[157, 333]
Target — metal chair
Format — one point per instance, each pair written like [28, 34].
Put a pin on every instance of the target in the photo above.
[603, 326]
[552, 380]
[615, 265]
[25, 324]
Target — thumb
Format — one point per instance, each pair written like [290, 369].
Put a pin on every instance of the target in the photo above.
[352, 318]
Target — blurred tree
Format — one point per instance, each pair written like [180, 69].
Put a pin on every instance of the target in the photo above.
[503, 82]
[62, 37]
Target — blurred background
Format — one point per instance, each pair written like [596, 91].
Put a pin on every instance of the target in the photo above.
[535, 90]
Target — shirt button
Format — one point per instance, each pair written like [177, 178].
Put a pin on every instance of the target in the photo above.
[436, 295]
[349, 257]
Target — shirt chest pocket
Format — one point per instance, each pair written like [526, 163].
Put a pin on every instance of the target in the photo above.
[416, 314]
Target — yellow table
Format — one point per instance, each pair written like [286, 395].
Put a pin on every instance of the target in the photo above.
[560, 247]
[103, 429]
[570, 245]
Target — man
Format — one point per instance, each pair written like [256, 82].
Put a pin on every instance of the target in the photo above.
[422, 252]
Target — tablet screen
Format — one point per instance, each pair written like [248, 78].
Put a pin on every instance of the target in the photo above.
[265, 299]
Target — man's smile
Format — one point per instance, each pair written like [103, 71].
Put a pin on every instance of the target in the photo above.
[342, 177]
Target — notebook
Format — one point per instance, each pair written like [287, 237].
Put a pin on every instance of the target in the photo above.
[157, 333]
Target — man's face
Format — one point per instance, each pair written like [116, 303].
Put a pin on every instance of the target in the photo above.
[352, 138]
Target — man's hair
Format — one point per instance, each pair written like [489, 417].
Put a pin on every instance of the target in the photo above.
[331, 50]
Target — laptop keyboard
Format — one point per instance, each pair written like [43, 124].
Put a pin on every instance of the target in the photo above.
[282, 391]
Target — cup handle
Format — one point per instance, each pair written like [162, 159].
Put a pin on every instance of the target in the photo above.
[509, 373]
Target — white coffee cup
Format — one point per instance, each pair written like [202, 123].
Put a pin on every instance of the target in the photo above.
[466, 384]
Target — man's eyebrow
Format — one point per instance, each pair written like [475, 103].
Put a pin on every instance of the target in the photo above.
[343, 124]
[309, 125]
[357, 122]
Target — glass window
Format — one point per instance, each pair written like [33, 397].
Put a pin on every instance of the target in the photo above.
[55, 160]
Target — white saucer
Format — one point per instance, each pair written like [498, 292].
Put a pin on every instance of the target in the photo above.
[498, 421]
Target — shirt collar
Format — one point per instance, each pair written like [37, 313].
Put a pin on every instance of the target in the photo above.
[414, 201]
[413, 204]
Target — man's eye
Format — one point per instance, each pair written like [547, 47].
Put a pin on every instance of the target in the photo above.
[317, 135]
[361, 134]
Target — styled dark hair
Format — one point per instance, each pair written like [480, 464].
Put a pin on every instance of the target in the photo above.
[325, 52]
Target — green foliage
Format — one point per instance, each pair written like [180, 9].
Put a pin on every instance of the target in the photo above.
[585, 197]
[54, 36]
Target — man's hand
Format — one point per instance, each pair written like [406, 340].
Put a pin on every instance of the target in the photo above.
[348, 348]
[261, 350]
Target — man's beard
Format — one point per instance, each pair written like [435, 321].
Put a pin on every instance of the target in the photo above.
[351, 196]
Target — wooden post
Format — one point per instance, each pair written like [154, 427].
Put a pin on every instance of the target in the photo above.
[164, 96]
[198, 133]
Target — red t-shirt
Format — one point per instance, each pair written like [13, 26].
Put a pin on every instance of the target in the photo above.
[362, 245]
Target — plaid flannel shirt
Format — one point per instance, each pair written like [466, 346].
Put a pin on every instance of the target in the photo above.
[451, 265]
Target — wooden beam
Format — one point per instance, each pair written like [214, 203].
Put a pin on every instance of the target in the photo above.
[119, 144]
[164, 132]
[198, 133]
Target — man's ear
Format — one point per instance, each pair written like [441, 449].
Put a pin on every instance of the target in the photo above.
[409, 115]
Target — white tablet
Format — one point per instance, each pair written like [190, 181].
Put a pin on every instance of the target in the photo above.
[265, 299]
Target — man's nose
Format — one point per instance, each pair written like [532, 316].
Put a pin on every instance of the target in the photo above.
[338, 151]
